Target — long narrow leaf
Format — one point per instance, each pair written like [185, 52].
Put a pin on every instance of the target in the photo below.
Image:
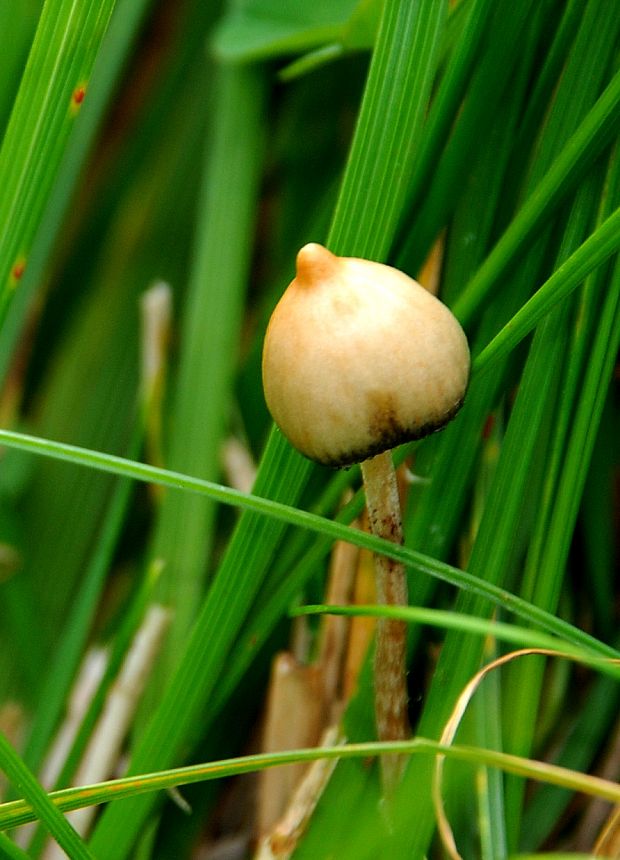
[53, 87]
[25, 782]
[312, 522]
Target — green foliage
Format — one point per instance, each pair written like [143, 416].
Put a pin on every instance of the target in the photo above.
[53, 86]
[131, 156]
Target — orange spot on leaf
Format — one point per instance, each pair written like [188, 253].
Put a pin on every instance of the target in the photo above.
[77, 98]
[18, 270]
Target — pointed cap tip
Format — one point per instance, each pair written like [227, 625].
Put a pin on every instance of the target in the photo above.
[314, 262]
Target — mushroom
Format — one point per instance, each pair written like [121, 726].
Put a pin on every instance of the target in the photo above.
[359, 358]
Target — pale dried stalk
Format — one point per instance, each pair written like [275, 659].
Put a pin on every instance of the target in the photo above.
[238, 464]
[335, 629]
[293, 719]
[156, 315]
[313, 694]
[282, 841]
[390, 655]
[447, 737]
[84, 688]
[106, 741]
[429, 275]
[598, 819]
[608, 843]
[86, 685]
[362, 627]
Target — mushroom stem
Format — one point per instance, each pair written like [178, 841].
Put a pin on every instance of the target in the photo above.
[384, 514]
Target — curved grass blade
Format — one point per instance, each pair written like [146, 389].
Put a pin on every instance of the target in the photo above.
[449, 620]
[19, 812]
[303, 519]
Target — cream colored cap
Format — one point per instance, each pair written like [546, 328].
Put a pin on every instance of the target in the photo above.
[359, 358]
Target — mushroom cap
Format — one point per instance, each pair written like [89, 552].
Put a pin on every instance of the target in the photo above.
[359, 358]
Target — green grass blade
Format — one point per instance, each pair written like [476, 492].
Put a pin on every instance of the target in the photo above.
[18, 812]
[18, 31]
[450, 92]
[503, 530]
[285, 513]
[54, 83]
[184, 532]
[538, 581]
[60, 674]
[521, 637]
[253, 31]
[498, 63]
[490, 783]
[597, 522]
[593, 135]
[120, 646]
[586, 737]
[389, 129]
[604, 242]
[9, 850]
[25, 783]
[105, 75]
[571, 482]
[122, 241]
